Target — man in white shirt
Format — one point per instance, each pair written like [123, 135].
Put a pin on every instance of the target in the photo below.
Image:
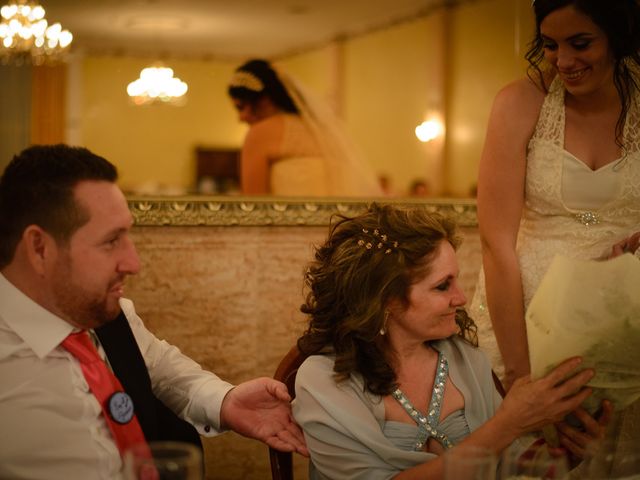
[65, 252]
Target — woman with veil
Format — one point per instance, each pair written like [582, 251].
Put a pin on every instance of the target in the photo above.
[295, 145]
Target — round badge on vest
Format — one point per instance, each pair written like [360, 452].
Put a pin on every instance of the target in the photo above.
[120, 406]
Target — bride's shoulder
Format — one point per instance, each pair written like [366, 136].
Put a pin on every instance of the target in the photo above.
[522, 93]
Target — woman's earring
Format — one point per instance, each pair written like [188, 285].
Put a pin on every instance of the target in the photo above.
[383, 329]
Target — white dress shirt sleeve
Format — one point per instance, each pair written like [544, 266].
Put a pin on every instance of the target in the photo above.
[194, 394]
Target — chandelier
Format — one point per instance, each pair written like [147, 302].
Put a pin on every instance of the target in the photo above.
[26, 36]
[157, 85]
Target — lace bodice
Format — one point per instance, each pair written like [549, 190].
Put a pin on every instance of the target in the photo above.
[548, 226]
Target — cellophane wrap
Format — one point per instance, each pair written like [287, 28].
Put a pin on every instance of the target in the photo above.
[590, 308]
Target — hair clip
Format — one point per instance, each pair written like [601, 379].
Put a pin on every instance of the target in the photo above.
[380, 241]
[246, 80]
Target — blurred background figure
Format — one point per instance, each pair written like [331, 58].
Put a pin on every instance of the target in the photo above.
[386, 185]
[419, 188]
[295, 144]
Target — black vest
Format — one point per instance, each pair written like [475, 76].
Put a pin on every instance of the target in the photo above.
[158, 422]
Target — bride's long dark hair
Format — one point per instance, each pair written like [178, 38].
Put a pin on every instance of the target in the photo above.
[272, 87]
[620, 21]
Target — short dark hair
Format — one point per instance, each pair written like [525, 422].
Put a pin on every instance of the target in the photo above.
[272, 86]
[36, 188]
[620, 21]
[356, 273]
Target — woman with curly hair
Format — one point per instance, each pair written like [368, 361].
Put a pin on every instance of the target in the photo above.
[393, 378]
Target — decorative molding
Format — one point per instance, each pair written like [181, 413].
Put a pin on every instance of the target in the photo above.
[263, 211]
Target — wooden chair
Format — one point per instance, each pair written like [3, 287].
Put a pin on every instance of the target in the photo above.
[282, 462]
[498, 384]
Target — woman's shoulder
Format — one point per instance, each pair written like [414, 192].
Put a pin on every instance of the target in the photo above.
[266, 133]
[317, 373]
[315, 369]
[522, 93]
[516, 108]
[456, 346]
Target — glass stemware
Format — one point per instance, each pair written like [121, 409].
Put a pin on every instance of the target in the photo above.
[469, 463]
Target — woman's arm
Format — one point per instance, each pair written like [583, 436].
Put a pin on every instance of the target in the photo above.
[260, 146]
[345, 439]
[528, 406]
[501, 187]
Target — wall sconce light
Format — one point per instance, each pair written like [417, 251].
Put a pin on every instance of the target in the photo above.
[429, 130]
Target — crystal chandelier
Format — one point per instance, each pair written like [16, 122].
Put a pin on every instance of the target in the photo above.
[157, 85]
[26, 36]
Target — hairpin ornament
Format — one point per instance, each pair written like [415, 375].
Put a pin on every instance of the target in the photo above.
[246, 80]
[380, 241]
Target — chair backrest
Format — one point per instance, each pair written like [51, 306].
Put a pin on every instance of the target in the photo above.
[282, 462]
[498, 384]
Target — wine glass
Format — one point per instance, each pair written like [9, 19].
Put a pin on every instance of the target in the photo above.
[612, 459]
[532, 464]
[163, 461]
[464, 462]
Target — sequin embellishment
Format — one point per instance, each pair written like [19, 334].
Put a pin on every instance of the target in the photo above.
[588, 218]
[428, 426]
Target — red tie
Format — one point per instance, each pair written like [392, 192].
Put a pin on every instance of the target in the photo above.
[117, 406]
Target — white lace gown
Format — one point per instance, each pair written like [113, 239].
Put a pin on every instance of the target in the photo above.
[552, 223]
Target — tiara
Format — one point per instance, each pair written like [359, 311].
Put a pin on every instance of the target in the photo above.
[377, 241]
[246, 80]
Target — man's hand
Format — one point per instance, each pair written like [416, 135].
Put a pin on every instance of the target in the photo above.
[261, 409]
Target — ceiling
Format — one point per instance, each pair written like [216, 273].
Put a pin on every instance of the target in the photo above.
[224, 29]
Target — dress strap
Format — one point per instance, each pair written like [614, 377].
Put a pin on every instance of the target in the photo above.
[428, 426]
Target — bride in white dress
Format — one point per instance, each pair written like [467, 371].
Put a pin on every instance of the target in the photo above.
[560, 169]
[295, 145]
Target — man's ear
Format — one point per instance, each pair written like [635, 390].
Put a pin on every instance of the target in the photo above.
[39, 247]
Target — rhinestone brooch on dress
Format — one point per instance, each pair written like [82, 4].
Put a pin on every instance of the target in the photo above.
[588, 218]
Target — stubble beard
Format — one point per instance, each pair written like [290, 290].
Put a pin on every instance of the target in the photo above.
[82, 308]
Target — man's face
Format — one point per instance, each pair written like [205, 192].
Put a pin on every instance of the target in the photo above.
[89, 273]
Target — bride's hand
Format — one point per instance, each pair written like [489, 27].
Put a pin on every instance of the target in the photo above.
[577, 440]
[628, 245]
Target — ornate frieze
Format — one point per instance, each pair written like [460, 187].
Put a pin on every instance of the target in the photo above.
[248, 211]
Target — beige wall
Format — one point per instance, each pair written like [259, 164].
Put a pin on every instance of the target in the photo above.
[485, 50]
[155, 144]
[393, 78]
[383, 83]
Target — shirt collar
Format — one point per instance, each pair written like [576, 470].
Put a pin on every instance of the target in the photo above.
[40, 329]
